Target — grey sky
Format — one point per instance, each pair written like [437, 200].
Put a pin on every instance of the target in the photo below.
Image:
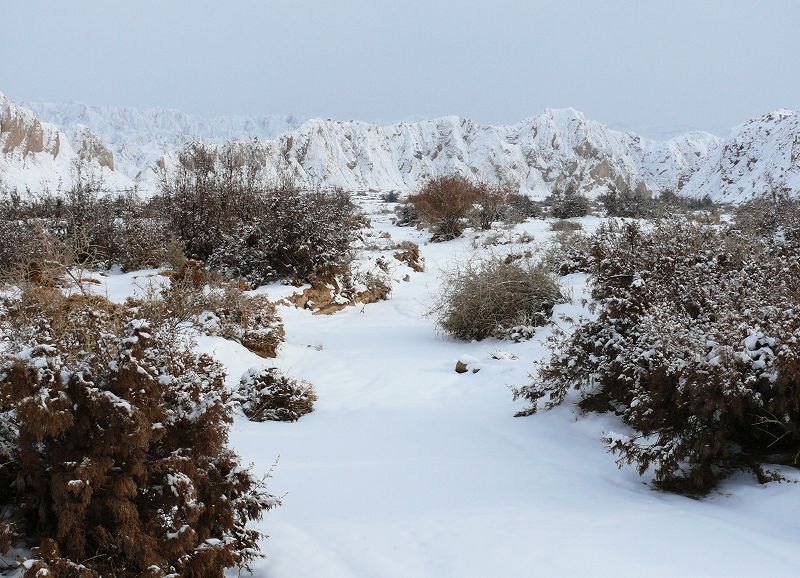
[642, 65]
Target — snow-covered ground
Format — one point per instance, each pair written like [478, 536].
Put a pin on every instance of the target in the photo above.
[408, 469]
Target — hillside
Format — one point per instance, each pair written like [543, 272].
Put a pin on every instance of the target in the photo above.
[42, 144]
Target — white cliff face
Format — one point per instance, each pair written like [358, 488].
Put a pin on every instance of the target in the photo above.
[139, 138]
[38, 156]
[759, 156]
[532, 156]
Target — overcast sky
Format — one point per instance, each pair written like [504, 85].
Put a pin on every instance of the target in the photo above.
[638, 64]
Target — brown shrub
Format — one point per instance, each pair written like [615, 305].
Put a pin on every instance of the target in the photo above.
[409, 254]
[565, 225]
[115, 435]
[494, 298]
[445, 203]
[694, 345]
[268, 395]
[218, 307]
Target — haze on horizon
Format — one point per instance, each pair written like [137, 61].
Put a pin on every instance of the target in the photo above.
[654, 68]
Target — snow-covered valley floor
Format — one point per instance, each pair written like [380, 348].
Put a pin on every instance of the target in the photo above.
[408, 469]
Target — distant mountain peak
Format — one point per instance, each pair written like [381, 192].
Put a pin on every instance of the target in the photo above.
[534, 155]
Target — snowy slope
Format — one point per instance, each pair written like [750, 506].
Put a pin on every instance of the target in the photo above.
[139, 137]
[38, 155]
[407, 469]
[760, 154]
[534, 155]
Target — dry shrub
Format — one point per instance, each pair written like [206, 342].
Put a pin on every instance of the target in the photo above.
[568, 252]
[444, 204]
[220, 204]
[694, 345]
[494, 298]
[19, 242]
[297, 234]
[269, 395]
[774, 214]
[115, 229]
[409, 254]
[520, 207]
[565, 225]
[115, 438]
[568, 203]
[490, 205]
[216, 306]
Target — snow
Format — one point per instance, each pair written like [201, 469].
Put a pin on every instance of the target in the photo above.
[406, 468]
[359, 156]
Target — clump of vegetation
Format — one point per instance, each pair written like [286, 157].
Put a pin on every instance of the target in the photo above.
[391, 197]
[269, 395]
[297, 235]
[774, 215]
[216, 306]
[112, 229]
[113, 436]
[567, 203]
[227, 213]
[565, 225]
[520, 207]
[634, 204]
[694, 346]
[494, 298]
[408, 253]
[444, 205]
[568, 252]
[448, 205]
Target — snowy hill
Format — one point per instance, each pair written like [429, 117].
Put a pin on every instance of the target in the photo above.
[760, 154]
[140, 137]
[533, 156]
[38, 155]
[42, 142]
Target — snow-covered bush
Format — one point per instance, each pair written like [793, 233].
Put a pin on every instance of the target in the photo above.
[218, 307]
[567, 203]
[297, 234]
[635, 204]
[695, 345]
[269, 395]
[19, 244]
[774, 214]
[115, 436]
[113, 229]
[210, 193]
[490, 297]
[568, 252]
[221, 205]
